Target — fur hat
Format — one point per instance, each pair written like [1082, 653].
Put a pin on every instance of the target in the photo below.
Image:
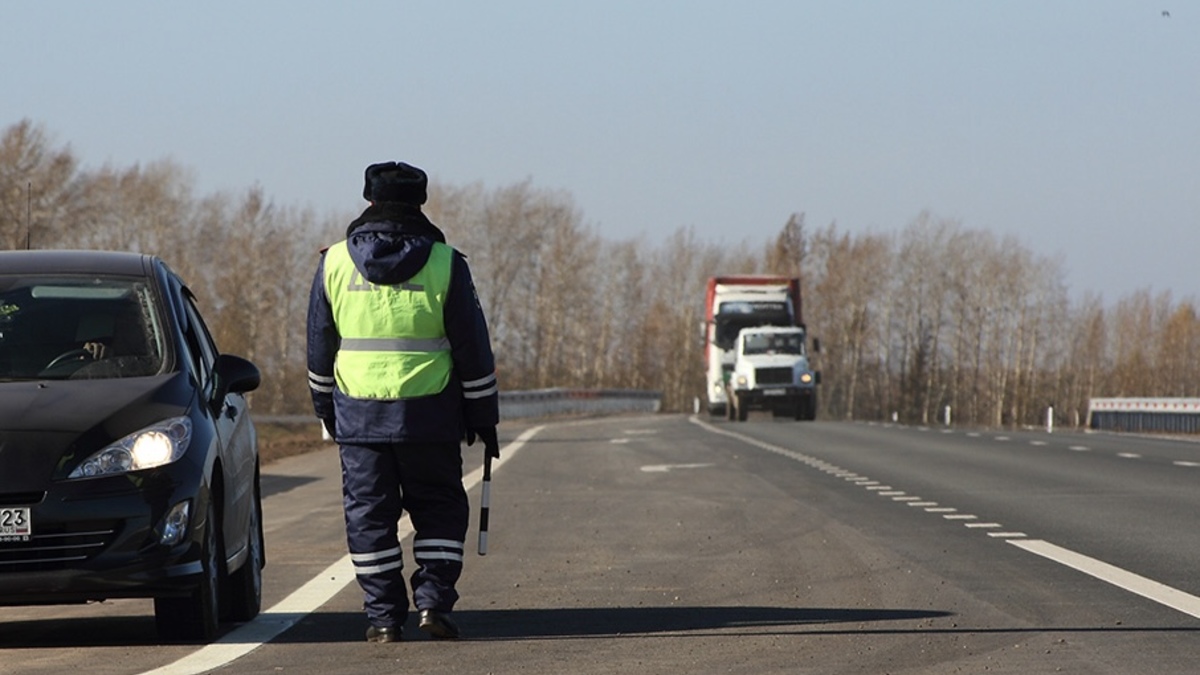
[395, 182]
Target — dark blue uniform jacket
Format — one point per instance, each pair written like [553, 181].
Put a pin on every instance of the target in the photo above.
[389, 245]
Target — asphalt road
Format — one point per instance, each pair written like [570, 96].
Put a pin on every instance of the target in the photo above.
[667, 544]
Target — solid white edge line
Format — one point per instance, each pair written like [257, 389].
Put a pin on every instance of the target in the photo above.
[1134, 583]
[302, 601]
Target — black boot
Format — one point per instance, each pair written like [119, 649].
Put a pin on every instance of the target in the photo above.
[438, 624]
[384, 634]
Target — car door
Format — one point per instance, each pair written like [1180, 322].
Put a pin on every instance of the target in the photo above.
[235, 433]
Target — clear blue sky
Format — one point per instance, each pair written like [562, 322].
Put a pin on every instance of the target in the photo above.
[1072, 125]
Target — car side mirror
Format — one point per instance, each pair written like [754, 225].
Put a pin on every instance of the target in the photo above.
[234, 375]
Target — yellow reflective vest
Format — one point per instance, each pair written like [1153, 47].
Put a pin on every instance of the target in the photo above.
[393, 338]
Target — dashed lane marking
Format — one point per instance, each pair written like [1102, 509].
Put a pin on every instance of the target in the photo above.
[1124, 579]
[663, 468]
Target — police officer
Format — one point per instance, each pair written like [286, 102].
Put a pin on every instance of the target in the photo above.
[401, 370]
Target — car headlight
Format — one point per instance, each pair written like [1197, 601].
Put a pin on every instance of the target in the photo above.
[155, 445]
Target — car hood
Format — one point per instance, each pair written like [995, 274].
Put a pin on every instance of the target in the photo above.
[43, 422]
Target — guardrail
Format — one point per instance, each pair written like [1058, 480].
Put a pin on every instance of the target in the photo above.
[1157, 415]
[545, 402]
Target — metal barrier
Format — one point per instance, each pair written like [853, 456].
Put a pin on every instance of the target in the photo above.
[1158, 415]
[544, 402]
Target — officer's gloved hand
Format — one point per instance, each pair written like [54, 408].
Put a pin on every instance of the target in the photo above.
[330, 427]
[491, 444]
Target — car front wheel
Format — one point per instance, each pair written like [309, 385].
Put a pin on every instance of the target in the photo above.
[194, 617]
[244, 586]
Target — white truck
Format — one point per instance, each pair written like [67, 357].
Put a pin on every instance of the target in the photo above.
[771, 372]
[734, 302]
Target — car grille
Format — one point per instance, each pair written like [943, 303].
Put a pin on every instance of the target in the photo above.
[773, 375]
[55, 548]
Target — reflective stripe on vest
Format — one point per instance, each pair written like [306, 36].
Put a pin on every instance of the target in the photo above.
[394, 342]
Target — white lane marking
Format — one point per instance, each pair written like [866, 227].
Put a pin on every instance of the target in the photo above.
[1185, 463]
[959, 516]
[303, 601]
[1148, 588]
[663, 468]
[891, 493]
[879, 487]
[1079, 448]
[619, 441]
[1001, 438]
[941, 509]
[1038, 443]
[973, 434]
[922, 504]
[1129, 455]
[906, 499]
[1134, 583]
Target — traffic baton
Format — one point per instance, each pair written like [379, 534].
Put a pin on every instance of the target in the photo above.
[485, 502]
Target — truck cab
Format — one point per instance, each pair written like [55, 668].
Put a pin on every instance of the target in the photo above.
[771, 372]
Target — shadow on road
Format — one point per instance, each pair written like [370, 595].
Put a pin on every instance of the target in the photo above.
[608, 622]
[273, 484]
[544, 624]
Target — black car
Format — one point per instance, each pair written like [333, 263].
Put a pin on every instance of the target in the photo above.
[128, 459]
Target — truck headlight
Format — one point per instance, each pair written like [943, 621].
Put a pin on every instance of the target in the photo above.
[742, 381]
[806, 378]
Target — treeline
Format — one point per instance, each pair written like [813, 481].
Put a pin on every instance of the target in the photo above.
[930, 317]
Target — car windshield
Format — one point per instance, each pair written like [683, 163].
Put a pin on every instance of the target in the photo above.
[78, 327]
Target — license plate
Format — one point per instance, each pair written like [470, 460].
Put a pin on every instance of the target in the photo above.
[774, 392]
[15, 524]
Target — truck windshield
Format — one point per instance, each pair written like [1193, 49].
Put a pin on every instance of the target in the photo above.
[767, 343]
[732, 317]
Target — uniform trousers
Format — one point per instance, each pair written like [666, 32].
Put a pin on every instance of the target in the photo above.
[379, 483]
